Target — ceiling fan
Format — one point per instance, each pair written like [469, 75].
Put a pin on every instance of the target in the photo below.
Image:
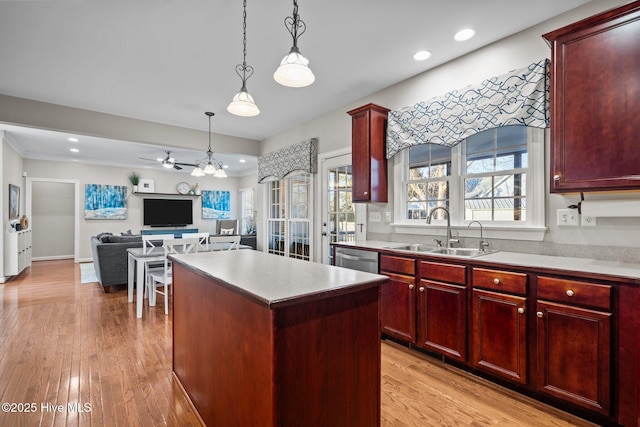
[169, 162]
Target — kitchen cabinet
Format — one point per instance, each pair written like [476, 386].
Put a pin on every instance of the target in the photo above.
[398, 298]
[574, 342]
[368, 153]
[442, 309]
[499, 336]
[594, 102]
[17, 252]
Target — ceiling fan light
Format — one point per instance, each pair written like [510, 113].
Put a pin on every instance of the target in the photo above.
[243, 105]
[294, 70]
[209, 169]
[166, 164]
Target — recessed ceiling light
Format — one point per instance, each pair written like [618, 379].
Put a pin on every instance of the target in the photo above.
[74, 150]
[225, 166]
[243, 161]
[463, 35]
[73, 139]
[422, 55]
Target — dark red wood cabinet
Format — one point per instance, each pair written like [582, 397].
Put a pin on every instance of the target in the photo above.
[368, 152]
[595, 99]
[398, 298]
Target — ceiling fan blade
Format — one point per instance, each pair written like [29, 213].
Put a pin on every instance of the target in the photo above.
[151, 160]
[193, 165]
[176, 167]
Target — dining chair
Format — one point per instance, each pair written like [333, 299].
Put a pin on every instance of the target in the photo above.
[220, 243]
[163, 278]
[153, 241]
[203, 239]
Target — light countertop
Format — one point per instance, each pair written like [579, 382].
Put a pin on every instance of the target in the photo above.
[571, 264]
[277, 281]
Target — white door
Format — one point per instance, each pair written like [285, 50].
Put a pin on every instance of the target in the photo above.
[341, 219]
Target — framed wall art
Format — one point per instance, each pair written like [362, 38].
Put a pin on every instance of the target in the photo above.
[105, 201]
[14, 201]
[216, 204]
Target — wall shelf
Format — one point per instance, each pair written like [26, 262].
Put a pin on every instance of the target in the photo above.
[165, 195]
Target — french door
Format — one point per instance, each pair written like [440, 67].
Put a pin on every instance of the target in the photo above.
[342, 220]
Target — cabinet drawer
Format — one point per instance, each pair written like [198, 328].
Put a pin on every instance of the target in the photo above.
[398, 264]
[574, 292]
[498, 280]
[443, 272]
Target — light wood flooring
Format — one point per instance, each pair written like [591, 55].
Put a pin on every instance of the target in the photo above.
[64, 343]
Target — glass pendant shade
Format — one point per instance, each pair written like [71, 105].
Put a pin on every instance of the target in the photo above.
[220, 173]
[243, 105]
[209, 169]
[197, 171]
[294, 70]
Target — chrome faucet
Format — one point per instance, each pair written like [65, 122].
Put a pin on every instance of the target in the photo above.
[450, 240]
[482, 245]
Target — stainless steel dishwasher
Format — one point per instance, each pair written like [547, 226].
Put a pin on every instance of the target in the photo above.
[356, 259]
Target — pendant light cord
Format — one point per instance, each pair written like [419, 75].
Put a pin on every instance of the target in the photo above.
[243, 70]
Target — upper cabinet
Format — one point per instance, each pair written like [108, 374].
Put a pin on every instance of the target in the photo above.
[595, 97]
[369, 163]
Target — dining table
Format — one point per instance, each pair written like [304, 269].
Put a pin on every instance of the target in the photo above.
[139, 257]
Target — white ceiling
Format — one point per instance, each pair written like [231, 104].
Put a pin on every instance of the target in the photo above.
[169, 61]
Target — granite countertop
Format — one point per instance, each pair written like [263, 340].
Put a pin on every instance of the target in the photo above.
[625, 270]
[276, 281]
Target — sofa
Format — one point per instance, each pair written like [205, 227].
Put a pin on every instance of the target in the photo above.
[110, 258]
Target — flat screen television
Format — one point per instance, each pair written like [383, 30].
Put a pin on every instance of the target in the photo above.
[167, 212]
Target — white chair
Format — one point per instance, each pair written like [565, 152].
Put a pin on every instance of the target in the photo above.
[153, 241]
[203, 239]
[164, 277]
[221, 243]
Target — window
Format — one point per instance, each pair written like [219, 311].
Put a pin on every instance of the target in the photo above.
[289, 221]
[495, 176]
[247, 220]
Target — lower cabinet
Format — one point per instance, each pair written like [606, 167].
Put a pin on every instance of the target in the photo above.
[398, 298]
[574, 342]
[499, 336]
[442, 309]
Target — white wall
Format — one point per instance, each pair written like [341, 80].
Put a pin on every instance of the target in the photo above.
[165, 182]
[333, 131]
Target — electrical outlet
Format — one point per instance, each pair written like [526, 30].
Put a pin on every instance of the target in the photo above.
[375, 217]
[568, 217]
[589, 221]
[387, 216]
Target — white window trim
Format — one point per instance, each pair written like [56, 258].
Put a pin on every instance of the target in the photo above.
[533, 231]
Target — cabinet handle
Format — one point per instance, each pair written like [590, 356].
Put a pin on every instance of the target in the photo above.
[421, 288]
[539, 314]
[366, 192]
[411, 286]
[496, 281]
[556, 178]
[570, 293]
[520, 310]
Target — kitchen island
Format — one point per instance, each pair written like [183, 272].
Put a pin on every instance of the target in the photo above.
[260, 339]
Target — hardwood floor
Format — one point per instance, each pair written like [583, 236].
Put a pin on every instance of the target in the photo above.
[64, 343]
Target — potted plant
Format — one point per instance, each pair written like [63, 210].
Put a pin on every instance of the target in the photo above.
[134, 178]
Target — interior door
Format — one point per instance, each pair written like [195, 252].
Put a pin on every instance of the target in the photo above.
[342, 220]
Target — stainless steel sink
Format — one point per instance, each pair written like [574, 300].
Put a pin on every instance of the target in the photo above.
[416, 247]
[463, 252]
[429, 249]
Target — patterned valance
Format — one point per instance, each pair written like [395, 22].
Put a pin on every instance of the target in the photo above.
[516, 98]
[278, 164]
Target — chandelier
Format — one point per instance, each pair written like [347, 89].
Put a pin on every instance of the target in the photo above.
[213, 167]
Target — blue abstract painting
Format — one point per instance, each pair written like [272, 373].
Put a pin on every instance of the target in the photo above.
[216, 204]
[105, 201]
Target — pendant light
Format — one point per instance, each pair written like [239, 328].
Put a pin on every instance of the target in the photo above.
[242, 103]
[214, 166]
[294, 68]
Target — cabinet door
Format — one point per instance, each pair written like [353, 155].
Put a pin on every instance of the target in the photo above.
[442, 317]
[398, 307]
[595, 101]
[499, 340]
[574, 360]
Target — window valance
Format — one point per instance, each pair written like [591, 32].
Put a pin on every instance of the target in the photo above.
[519, 97]
[302, 157]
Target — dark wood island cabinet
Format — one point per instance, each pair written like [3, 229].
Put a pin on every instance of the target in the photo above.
[264, 340]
